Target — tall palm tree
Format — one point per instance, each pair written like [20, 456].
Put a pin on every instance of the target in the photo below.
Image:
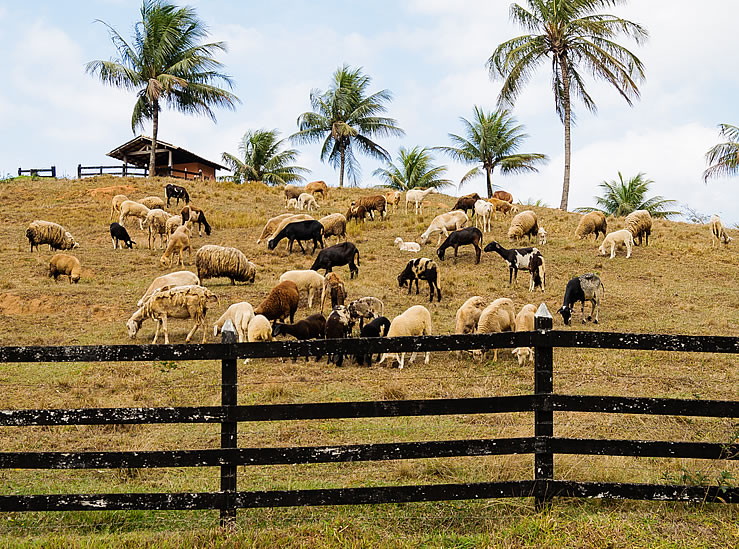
[413, 170]
[262, 160]
[166, 64]
[577, 38]
[492, 141]
[621, 197]
[723, 159]
[345, 117]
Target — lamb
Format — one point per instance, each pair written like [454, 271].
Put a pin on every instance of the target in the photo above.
[591, 223]
[443, 224]
[497, 317]
[175, 191]
[338, 326]
[462, 237]
[153, 202]
[115, 206]
[311, 327]
[639, 222]
[334, 225]
[416, 196]
[529, 259]
[542, 236]
[366, 308]
[259, 330]
[173, 223]
[176, 302]
[280, 303]
[582, 288]
[356, 212]
[118, 234]
[299, 230]
[421, 268]
[377, 328]
[523, 224]
[413, 247]
[501, 206]
[315, 187]
[468, 315]
[503, 195]
[291, 191]
[178, 278]
[46, 232]
[333, 287]
[525, 323]
[63, 264]
[286, 221]
[307, 281]
[617, 239]
[129, 208]
[484, 213]
[197, 215]
[156, 224]
[240, 314]
[415, 321]
[336, 256]
[467, 202]
[178, 243]
[718, 232]
[393, 198]
[307, 201]
[292, 204]
[373, 203]
[271, 225]
[214, 261]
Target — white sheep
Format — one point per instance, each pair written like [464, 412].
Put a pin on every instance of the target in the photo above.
[542, 236]
[415, 321]
[617, 239]
[444, 224]
[173, 223]
[307, 201]
[416, 196]
[414, 247]
[499, 316]
[334, 225]
[178, 243]
[259, 329]
[115, 206]
[46, 232]
[523, 224]
[484, 212]
[718, 232]
[240, 314]
[271, 225]
[129, 208]
[292, 204]
[639, 222]
[178, 278]
[156, 224]
[525, 323]
[308, 282]
[468, 315]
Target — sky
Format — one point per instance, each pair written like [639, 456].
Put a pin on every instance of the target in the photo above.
[430, 54]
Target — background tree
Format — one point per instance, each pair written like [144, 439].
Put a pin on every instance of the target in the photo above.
[621, 197]
[492, 141]
[263, 160]
[577, 39]
[345, 118]
[166, 65]
[413, 170]
[723, 159]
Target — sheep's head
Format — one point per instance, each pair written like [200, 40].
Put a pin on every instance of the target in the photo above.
[492, 246]
[424, 239]
[440, 253]
[398, 240]
[271, 244]
[164, 261]
[75, 277]
[566, 313]
[524, 355]
[133, 327]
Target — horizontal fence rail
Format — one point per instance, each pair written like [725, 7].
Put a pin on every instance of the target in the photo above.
[123, 170]
[39, 172]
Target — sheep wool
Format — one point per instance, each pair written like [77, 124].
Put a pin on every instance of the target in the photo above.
[240, 314]
[308, 281]
[523, 224]
[115, 206]
[46, 232]
[153, 202]
[67, 265]
[178, 278]
[525, 323]
[415, 321]
[468, 315]
[593, 222]
[334, 225]
[281, 302]
[639, 222]
[499, 316]
[317, 187]
[617, 239]
[259, 329]
[213, 261]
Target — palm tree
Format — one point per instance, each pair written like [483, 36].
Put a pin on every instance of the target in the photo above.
[492, 141]
[723, 159]
[575, 36]
[413, 170]
[262, 160]
[166, 65]
[344, 116]
[621, 197]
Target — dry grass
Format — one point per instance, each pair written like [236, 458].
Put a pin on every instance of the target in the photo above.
[676, 285]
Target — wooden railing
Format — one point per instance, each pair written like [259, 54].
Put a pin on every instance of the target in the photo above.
[39, 172]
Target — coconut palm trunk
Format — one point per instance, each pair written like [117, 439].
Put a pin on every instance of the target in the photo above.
[567, 117]
[489, 181]
[342, 155]
[154, 132]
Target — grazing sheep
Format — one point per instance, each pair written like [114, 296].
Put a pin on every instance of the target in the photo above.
[377, 328]
[467, 203]
[718, 232]
[178, 278]
[118, 234]
[291, 191]
[443, 224]
[416, 196]
[617, 239]
[591, 223]
[415, 321]
[214, 261]
[393, 198]
[259, 329]
[196, 215]
[156, 224]
[178, 243]
[175, 191]
[307, 201]
[413, 247]
[468, 315]
[503, 195]
[373, 203]
[292, 218]
[333, 287]
[67, 265]
[529, 259]
[366, 308]
[311, 327]
[339, 325]
[582, 288]
[501, 206]
[356, 212]
[300, 231]
[240, 314]
[499, 316]
[46, 232]
[336, 256]
[315, 187]
[307, 281]
[292, 204]
[281, 302]
[173, 223]
[421, 268]
[639, 222]
[153, 202]
[484, 213]
[115, 206]
[176, 302]
[525, 323]
[334, 225]
[129, 208]
[523, 224]
[271, 225]
[462, 237]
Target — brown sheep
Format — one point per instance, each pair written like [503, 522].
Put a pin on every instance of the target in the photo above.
[281, 303]
[466, 202]
[356, 212]
[63, 264]
[503, 195]
[591, 223]
[317, 187]
[373, 203]
[291, 191]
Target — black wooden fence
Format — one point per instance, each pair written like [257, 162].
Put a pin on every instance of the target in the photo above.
[543, 445]
[124, 170]
[38, 172]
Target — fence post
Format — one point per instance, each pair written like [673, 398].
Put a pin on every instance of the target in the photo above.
[543, 415]
[53, 172]
[229, 437]
[19, 172]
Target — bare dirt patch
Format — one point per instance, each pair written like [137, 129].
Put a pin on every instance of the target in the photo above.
[110, 192]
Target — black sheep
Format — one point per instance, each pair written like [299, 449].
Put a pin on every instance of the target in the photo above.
[462, 237]
[175, 191]
[119, 234]
[311, 327]
[336, 256]
[299, 230]
[377, 328]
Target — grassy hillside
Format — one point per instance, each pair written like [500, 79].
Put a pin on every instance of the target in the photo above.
[678, 285]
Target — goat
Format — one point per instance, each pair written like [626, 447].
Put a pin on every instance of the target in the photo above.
[416, 196]
[175, 191]
[582, 288]
[421, 268]
[462, 237]
[521, 258]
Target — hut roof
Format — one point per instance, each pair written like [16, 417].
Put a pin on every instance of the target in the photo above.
[137, 150]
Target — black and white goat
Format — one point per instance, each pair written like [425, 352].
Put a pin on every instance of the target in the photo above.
[421, 268]
[299, 230]
[119, 234]
[582, 288]
[175, 191]
[462, 237]
[527, 259]
[377, 328]
[196, 215]
[339, 325]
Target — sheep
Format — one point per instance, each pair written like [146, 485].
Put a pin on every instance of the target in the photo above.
[356, 212]
[292, 204]
[46, 232]
[333, 287]
[63, 264]
[307, 201]
[467, 202]
[393, 198]
[214, 261]
[178, 278]
[175, 191]
[173, 223]
[415, 321]
[503, 195]
[523, 224]
[197, 215]
[240, 314]
[591, 223]
[307, 281]
[484, 212]
[718, 232]
[311, 327]
[462, 237]
[291, 191]
[336, 256]
[178, 243]
[176, 302]
[416, 196]
[617, 239]
[334, 225]
[259, 329]
[501, 206]
[542, 233]
[529, 259]
[118, 234]
[339, 325]
[156, 224]
[413, 247]
[315, 187]
[421, 268]
[373, 203]
[639, 222]
[499, 316]
[299, 230]
[366, 308]
[271, 225]
[582, 288]
[525, 323]
[129, 208]
[281, 302]
[468, 315]
[115, 206]
[443, 224]
[377, 328]
[153, 202]
[292, 218]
